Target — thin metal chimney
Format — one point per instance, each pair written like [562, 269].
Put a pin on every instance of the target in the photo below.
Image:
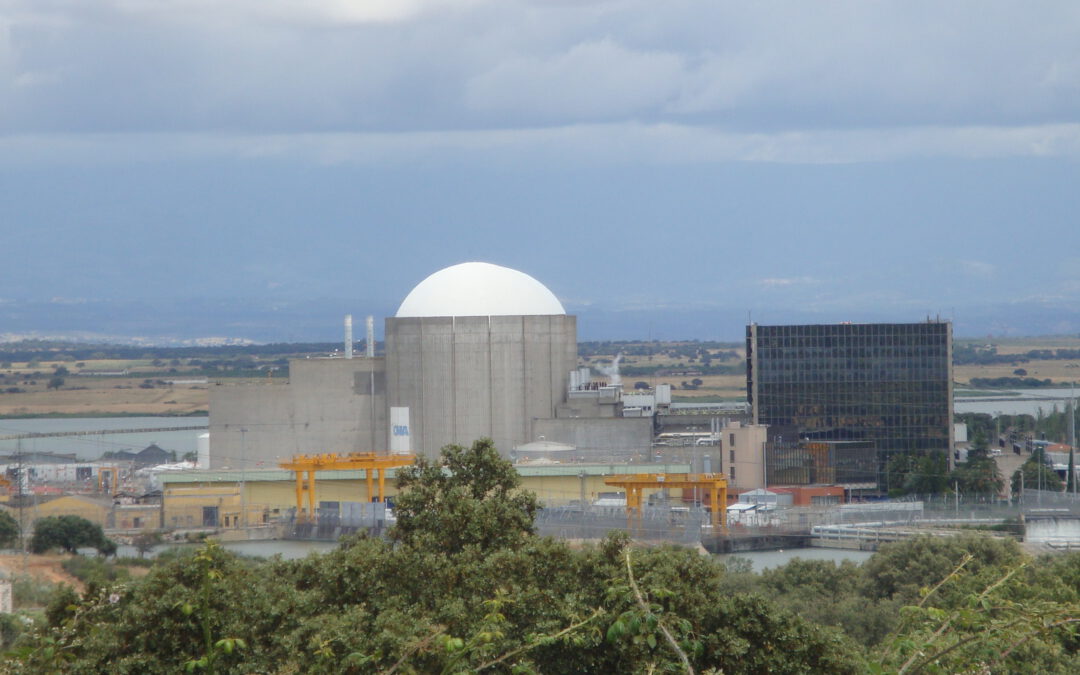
[370, 336]
[348, 336]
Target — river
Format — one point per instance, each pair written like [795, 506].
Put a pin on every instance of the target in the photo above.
[92, 446]
[291, 550]
[1014, 401]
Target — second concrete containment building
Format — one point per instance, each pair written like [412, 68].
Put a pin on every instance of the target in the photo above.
[475, 350]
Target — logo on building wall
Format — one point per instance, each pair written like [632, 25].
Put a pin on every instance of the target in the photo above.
[400, 437]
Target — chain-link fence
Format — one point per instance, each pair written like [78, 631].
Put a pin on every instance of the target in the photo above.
[664, 523]
[687, 524]
[337, 519]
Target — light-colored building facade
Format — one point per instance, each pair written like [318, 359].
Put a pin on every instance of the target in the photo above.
[743, 449]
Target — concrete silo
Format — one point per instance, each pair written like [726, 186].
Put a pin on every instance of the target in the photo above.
[478, 350]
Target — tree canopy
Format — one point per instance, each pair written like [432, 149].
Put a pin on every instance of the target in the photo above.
[469, 498]
[69, 533]
[491, 596]
[9, 529]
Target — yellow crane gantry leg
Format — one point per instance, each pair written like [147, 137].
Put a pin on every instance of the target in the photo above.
[373, 465]
[634, 484]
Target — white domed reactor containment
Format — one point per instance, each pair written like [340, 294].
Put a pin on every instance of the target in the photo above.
[479, 289]
[478, 350]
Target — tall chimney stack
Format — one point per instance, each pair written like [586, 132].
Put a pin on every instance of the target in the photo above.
[370, 337]
[348, 336]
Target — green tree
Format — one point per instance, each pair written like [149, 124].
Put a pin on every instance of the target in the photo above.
[496, 598]
[1070, 477]
[55, 383]
[979, 474]
[469, 498]
[9, 530]
[910, 473]
[144, 542]
[1036, 474]
[992, 627]
[69, 533]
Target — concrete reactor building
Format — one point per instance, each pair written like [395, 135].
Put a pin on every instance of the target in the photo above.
[475, 350]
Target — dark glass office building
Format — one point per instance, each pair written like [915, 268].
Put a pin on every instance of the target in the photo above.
[885, 388]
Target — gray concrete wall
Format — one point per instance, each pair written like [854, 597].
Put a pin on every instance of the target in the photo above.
[328, 405]
[464, 378]
[599, 437]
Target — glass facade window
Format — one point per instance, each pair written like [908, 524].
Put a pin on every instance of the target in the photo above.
[881, 386]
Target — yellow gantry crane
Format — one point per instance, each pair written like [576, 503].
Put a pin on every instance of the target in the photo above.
[374, 467]
[715, 483]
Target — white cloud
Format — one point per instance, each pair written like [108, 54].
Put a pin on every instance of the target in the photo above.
[576, 145]
[976, 268]
[787, 282]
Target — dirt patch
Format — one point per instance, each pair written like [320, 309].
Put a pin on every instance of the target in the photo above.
[41, 567]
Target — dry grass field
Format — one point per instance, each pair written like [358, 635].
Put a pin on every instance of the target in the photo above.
[1058, 371]
[96, 395]
[133, 395]
[111, 397]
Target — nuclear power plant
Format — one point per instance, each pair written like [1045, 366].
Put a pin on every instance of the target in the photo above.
[474, 350]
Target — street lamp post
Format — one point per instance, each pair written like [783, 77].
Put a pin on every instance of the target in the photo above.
[243, 482]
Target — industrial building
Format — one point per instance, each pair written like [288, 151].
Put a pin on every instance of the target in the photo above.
[475, 350]
[840, 400]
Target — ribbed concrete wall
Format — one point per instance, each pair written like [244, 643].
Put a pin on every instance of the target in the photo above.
[600, 439]
[329, 405]
[468, 377]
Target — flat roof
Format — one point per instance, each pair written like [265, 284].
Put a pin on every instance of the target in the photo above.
[542, 471]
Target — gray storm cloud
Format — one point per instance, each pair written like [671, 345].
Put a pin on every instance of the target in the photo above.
[289, 67]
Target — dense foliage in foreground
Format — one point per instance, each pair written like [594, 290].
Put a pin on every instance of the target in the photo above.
[465, 586]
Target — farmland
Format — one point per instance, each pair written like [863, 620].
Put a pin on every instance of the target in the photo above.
[59, 379]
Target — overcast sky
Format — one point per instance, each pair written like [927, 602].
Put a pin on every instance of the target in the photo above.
[838, 157]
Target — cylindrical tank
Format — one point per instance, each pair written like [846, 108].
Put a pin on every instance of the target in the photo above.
[202, 446]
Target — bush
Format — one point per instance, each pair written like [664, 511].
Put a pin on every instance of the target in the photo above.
[27, 591]
[95, 571]
[11, 627]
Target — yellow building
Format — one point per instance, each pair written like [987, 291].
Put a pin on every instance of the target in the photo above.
[219, 499]
[100, 511]
[96, 510]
